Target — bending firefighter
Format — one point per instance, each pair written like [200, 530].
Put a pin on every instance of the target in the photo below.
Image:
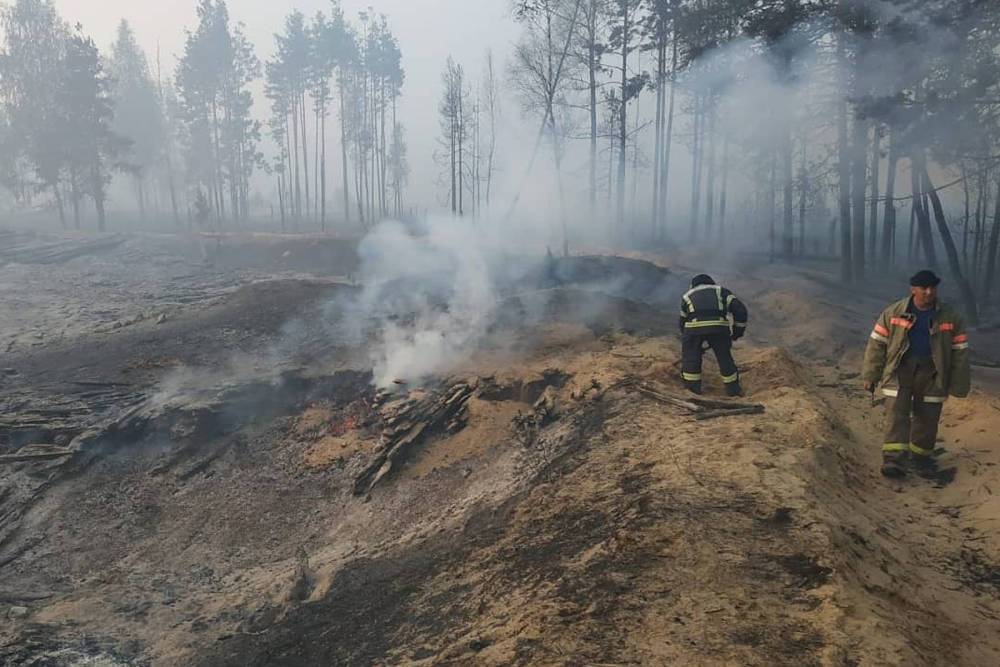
[918, 355]
[704, 323]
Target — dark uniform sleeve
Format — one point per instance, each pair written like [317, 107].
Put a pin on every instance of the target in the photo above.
[737, 309]
[684, 315]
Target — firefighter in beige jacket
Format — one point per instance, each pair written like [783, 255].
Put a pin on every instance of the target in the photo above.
[917, 356]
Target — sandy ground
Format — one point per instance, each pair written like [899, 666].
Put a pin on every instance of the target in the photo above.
[224, 531]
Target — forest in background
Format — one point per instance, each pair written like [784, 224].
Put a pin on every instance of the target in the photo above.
[861, 130]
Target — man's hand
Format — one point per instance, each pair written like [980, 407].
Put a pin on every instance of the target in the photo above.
[737, 334]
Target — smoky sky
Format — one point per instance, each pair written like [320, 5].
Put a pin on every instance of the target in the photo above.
[428, 32]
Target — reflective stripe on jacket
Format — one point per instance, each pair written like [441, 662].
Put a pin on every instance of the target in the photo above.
[889, 341]
[706, 309]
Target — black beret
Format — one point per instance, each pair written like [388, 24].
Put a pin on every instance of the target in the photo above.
[924, 278]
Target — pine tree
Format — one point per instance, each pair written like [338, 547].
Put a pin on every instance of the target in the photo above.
[84, 102]
[138, 111]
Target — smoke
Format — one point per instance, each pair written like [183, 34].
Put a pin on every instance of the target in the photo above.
[433, 293]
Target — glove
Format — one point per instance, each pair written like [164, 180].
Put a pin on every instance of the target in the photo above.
[738, 333]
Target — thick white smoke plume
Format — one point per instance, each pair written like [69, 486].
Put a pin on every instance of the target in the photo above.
[432, 294]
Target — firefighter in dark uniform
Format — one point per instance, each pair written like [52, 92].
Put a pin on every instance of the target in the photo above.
[705, 323]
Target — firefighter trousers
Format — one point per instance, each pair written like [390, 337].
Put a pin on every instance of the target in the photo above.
[912, 417]
[692, 351]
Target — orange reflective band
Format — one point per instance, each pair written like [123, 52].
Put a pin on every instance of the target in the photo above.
[962, 338]
[881, 330]
[947, 326]
[901, 322]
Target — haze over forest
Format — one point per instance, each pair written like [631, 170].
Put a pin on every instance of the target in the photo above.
[428, 32]
[799, 128]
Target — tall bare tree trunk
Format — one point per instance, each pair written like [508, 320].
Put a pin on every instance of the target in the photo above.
[316, 167]
[889, 215]
[623, 112]
[669, 138]
[725, 185]
[696, 165]
[295, 162]
[281, 198]
[173, 189]
[979, 237]
[343, 150]
[991, 253]
[924, 235]
[592, 90]
[710, 194]
[140, 195]
[803, 194]
[59, 204]
[772, 205]
[788, 190]
[322, 218]
[954, 263]
[74, 190]
[844, 168]
[453, 150]
[968, 219]
[875, 176]
[859, 185]
[461, 155]
[305, 155]
[97, 188]
[661, 66]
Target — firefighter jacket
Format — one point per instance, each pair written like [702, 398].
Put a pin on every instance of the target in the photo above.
[705, 311]
[889, 341]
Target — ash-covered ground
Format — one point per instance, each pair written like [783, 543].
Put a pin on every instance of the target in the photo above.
[213, 454]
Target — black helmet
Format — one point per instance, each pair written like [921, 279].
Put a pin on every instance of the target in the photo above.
[702, 279]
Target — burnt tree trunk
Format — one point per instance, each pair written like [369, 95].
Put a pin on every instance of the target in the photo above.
[844, 170]
[669, 138]
[788, 188]
[803, 193]
[873, 208]
[889, 216]
[710, 192]
[724, 195]
[859, 185]
[343, 150]
[954, 263]
[661, 78]
[991, 253]
[924, 237]
[696, 168]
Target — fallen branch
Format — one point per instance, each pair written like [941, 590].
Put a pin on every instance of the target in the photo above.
[702, 408]
[723, 405]
[712, 414]
[671, 400]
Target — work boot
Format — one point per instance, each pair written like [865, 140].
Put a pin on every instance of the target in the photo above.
[894, 464]
[734, 389]
[693, 387]
[893, 468]
[924, 466]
